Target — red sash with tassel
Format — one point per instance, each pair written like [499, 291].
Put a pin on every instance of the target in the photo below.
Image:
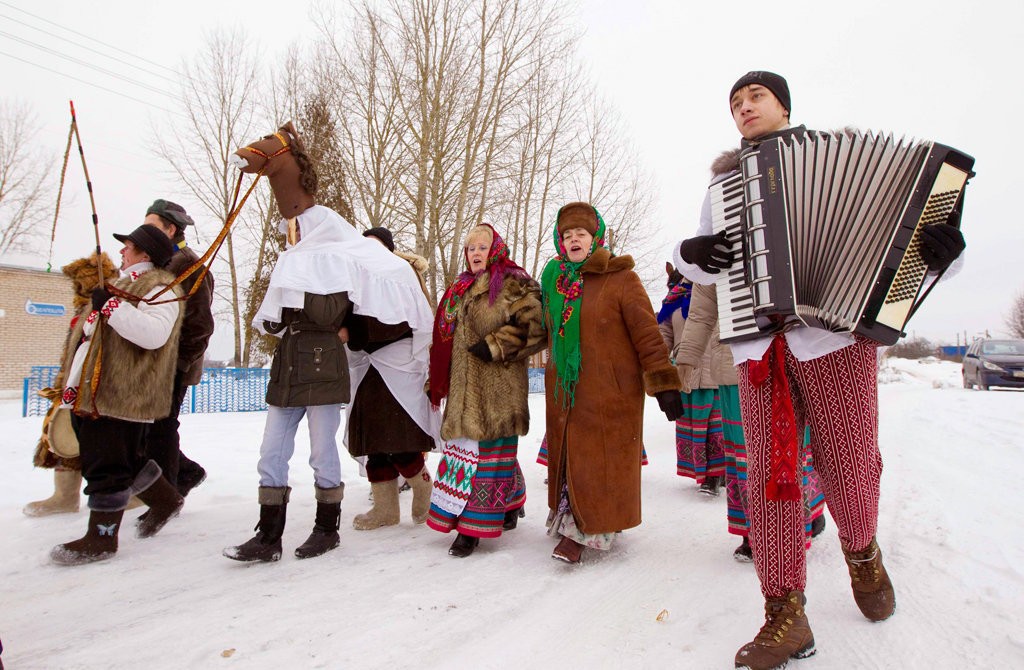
[782, 480]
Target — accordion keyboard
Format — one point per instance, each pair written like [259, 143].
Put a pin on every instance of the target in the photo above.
[735, 300]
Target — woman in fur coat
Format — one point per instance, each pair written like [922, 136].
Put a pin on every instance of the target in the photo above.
[605, 352]
[487, 325]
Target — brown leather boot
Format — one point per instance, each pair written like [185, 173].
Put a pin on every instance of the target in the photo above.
[872, 588]
[784, 635]
[568, 550]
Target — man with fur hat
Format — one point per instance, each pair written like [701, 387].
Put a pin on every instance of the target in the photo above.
[121, 362]
[163, 444]
[786, 373]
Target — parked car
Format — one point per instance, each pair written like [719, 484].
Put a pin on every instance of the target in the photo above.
[994, 363]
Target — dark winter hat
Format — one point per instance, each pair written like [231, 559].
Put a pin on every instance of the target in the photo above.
[773, 82]
[577, 215]
[382, 234]
[171, 212]
[151, 240]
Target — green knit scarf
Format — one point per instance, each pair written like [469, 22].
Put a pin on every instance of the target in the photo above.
[562, 285]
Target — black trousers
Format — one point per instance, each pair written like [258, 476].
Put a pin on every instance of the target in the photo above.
[112, 452]
[163, 444]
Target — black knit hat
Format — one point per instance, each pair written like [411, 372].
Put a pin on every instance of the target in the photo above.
[171, 212]
[773, 82]
[151, 240]
[382, 234]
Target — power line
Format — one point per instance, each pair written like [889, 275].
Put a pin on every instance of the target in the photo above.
[87, 48]
[89, 37]
[147, 103]
[78, 61]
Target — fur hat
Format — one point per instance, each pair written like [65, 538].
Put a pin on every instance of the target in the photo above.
[382, 234]
[577, 215]
[84, 279]
[151, 240]
[773, 82]
[171, 212]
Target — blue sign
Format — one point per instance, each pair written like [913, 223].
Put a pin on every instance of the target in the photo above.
[43, 309]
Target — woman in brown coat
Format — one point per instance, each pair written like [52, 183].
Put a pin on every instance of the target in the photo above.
[605, 352]
[487, 325]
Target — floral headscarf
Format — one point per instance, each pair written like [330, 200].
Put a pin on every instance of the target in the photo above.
[678, 297]
[562, 284]
[499, 266]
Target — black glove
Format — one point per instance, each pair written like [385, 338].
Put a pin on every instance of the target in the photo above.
[671, 403]
[941, 244]
[481, 351]
[100, 296]
[711, 253]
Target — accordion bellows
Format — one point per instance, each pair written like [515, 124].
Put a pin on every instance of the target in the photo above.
[829, 228]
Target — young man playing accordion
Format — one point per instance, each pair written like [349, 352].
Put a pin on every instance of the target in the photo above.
[803, 376]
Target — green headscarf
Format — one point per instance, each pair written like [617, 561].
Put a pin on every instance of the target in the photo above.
[562, 285]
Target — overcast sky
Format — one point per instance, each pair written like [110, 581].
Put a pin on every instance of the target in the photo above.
[935, 70]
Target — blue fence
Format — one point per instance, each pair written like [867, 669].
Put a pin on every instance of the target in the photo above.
[221, 390]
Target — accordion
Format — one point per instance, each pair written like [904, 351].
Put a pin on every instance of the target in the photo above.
[828, 225]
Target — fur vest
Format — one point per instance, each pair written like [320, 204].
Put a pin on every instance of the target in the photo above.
[487, 400]
[132, 383]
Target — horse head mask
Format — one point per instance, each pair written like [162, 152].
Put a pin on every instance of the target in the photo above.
[281, 157]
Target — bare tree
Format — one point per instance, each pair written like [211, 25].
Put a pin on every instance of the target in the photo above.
[1015, 319]
[447, 113]
[611, 177]
[24, 183]
[219, 95]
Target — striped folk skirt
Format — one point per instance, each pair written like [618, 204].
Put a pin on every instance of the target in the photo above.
[700, 452]
[498, 487]
[736, 469]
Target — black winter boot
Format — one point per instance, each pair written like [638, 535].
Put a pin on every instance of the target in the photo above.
[818, 526]
[711, 485]
[164, 503]
[266, 545]
[325, 529]
[98, 544]
[463, 546]
[190, 478]
[743, 554]
[512, 518]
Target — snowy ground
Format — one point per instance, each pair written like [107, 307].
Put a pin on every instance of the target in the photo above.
[950, 527]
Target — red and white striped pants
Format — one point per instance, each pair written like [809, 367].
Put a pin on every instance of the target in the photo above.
[837, 394]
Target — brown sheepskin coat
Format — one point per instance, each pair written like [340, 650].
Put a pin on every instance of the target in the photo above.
[488, 400]
[596, 444]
